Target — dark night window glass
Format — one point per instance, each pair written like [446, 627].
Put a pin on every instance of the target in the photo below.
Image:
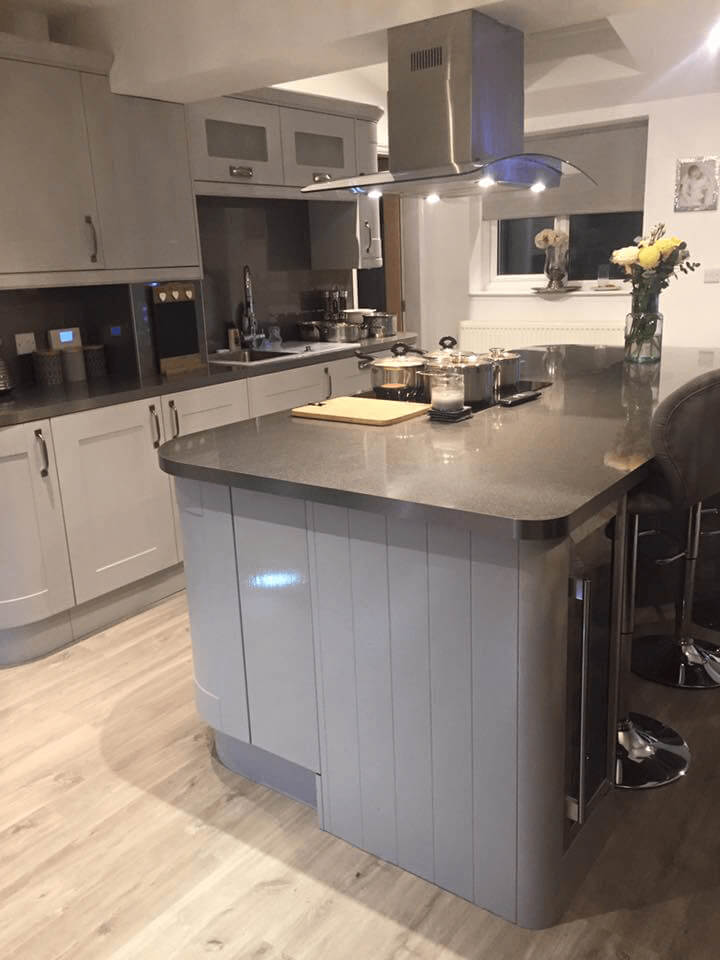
[517, 252]
[594, 236]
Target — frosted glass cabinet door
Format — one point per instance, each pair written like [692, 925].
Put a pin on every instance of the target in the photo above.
[142, 178]
[34, 567]
[118, 503]
[317, 147]
[48, 218]
[235, 141]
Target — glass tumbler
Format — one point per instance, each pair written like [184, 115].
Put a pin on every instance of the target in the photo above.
[447, 392]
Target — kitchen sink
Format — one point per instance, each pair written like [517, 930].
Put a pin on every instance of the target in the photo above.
[249, 356]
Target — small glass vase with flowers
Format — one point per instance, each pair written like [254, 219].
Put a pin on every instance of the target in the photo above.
[555, 243]
[649, 264]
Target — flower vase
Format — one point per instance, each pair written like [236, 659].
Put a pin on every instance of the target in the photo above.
[556, 266]
[643, 329]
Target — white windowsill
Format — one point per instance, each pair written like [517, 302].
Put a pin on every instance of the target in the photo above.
[506, 290]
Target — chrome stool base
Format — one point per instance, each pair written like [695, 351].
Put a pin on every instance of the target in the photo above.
[649, 754]
[690, 664]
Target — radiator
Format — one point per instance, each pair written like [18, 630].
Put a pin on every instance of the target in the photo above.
[480, 338]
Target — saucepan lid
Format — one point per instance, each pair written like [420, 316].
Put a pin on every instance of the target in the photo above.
[403, 357]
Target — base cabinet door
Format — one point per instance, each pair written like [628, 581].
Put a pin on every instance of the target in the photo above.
[204, 408]
[142, 178]
[118, 503]
[348, 378]
[286, 389]
[35, 577]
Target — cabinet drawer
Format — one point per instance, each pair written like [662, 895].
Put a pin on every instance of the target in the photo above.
[235, 141]
[317, 146]
[287, 389]
[204, 408]
[117, 501]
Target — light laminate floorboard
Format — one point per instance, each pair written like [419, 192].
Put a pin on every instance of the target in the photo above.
[122, 839]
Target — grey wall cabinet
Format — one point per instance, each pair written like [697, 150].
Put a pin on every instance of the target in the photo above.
[35, 577]
[235, 141]
[316, 147]
[369, 234]
[118, 504]
[142, 178]
[48, 216]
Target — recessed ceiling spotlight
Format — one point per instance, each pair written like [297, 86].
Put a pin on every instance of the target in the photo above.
[486, 182]
[432, 198]
[374, 194]
[713, 40]
[538, 186]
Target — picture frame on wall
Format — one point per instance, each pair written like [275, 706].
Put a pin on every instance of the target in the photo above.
[696, 184]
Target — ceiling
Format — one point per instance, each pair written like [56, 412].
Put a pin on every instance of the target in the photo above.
[579, 54]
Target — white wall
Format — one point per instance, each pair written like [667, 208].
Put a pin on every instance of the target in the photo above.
[677, 128]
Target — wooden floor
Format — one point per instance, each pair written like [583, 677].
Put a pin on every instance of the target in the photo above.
[121, 838]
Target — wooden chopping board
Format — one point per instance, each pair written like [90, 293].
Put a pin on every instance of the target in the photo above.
[365, 410]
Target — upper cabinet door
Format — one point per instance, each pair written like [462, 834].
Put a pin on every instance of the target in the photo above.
[48, 218]
[118, 506]
[317, 147]
[142, 178]
[235, 141]
[34, 567]
[369, 233]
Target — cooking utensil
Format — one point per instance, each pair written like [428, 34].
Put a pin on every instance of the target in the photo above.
[6, 382]
[383, 324]
[507, 366]
[365, 410]
[308, 330]
[396, 377]
[342, 332]
[476, 370]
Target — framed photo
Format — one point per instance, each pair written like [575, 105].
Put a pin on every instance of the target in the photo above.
[696, 184]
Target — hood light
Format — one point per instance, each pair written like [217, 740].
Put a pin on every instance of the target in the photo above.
[375, 194]
[432, 198]
[538, 186]
[486, 182]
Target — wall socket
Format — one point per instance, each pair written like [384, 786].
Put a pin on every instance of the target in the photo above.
[24, 343]
[712, 275]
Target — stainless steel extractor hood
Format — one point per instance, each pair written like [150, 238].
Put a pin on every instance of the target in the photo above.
[456, 113]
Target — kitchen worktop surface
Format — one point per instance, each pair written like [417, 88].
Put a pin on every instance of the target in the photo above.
[531, 471]
[26, 403]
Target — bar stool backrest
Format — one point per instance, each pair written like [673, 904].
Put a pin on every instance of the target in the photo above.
[685, 436]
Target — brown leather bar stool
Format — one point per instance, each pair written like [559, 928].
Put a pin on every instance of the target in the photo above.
[686, 443]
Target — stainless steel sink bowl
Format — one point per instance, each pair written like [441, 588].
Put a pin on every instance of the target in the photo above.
[249, 356]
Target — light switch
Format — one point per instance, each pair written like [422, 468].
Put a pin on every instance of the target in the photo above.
[712, 275]
[24, 343]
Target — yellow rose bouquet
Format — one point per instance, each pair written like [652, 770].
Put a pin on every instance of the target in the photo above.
[650, 263]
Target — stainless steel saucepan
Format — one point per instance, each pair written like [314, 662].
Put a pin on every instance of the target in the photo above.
[398, 377]
[476, 370]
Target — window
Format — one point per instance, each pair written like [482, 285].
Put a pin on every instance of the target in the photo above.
[593, 237]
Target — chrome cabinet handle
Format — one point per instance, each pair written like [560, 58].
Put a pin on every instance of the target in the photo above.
[330, 386]
[321, 177]
[577, 808]
[176, 419]
[156, 424]
[45, 469]
[93, 231]
[242, 172]
[370, 236]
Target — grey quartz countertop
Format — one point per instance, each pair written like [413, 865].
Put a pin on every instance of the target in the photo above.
[531, 471]
[26, 403]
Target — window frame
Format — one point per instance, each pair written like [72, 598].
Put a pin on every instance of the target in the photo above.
[500, 280]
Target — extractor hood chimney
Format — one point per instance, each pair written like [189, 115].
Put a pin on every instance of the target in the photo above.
[456, 112]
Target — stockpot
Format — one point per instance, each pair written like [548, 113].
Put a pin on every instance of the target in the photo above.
[476, 370]
[398, 377]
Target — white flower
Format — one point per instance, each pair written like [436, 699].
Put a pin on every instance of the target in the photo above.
[625, 256]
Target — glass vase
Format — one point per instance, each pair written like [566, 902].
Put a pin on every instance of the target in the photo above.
[643, 330]
[556, 267]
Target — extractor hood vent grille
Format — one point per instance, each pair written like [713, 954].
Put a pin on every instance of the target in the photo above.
[426, 59]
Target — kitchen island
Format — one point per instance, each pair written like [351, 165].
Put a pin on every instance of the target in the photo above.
[415, 627]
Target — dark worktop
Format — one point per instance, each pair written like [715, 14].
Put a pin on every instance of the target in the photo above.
[24, 404]
[532, 471]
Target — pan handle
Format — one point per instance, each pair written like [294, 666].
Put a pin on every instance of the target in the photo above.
[400, 349]
[448, 342]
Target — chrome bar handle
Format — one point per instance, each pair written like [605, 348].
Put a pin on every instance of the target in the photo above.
[93, 231]
[370, 236]
[45, 469]
[330, 385]
[156, 424]
[576, 809]
[321, 177]
[243, 173]
[176, 419]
